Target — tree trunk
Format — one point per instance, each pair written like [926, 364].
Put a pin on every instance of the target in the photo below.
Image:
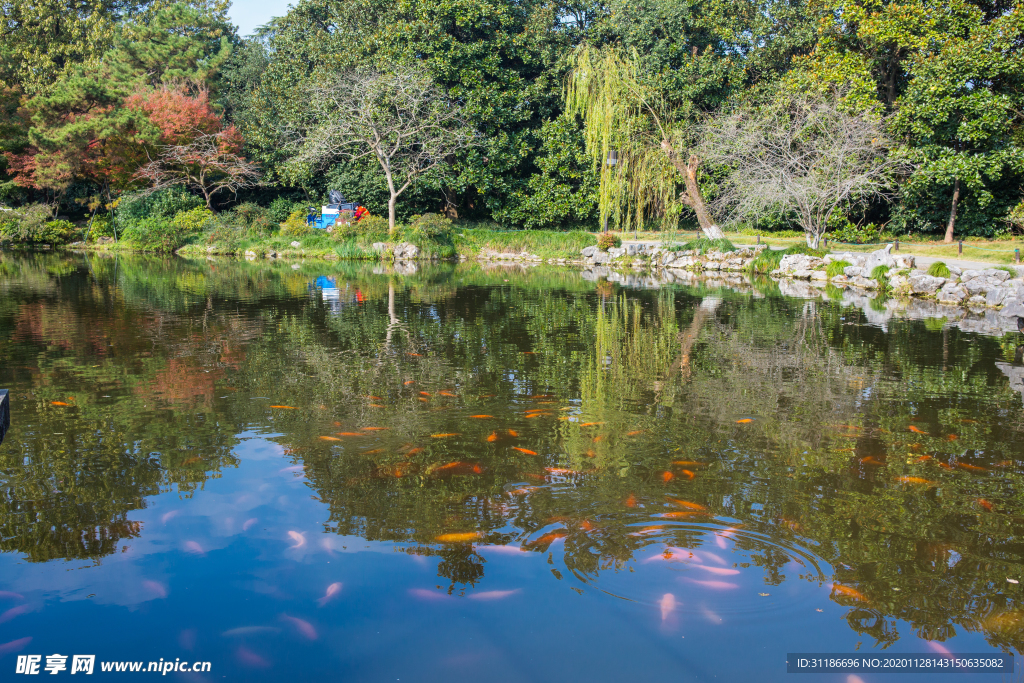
[391, 214]
[692, 197]
[952, 212]
[813, 239]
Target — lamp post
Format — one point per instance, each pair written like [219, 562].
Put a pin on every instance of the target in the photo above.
[613, 159]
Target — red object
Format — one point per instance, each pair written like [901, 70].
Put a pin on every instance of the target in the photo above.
[359, 295]
[361, 212]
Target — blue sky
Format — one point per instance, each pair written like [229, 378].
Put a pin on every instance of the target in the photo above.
[248, 14]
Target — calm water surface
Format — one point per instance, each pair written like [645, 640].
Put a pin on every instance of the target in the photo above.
[345, 473]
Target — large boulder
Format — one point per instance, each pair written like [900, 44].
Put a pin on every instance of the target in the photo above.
[1000, 275]
[616, 252]
[853, 271]
[952, 293]
[797, 262]
[922, 283]
[406, 251]
[879, 257]
[1013, 310]
[996, 295]
[588, 252]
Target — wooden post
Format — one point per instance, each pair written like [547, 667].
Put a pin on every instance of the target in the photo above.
[897, 244]
[1016, 255]
[759, 239]
[5, 413]
[961, 252]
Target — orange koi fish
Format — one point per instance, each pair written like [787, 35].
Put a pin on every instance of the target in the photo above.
[945, 465]
[561, 471]
[952, 437]
[969, 422]
[538, 477]
[687, 504]
[972, 468]
[847, 592]
[591, 424]
[915, 480]
[62, 403]
[482, 417]
[459, 538]
[415, 355]
[679, 514]
[916, 430]
[529, 353]
[590, 453]
[374, 429]
[529, 415]
[923, 458]
[688, 474]
[744, 421]
[285, 407]
[424, 393]
[544, 542]
[871, 460]
[375, 405]
[543, 396]
[191, 461]
[630, 501]
[586, 525]
[458, 468]
[413, 452]
[527, 451]
[855, 427]
[446, 435]
[599, 439]
[1004, 463]
[448, 394]
[408, 382]
[349, 434]
[374, 451]
[424, 400]
[330, 438]
[667, 476]
[689, 463]
[513, 433]
[522, 491]
[984, 503]
[374, 398]
[635, 432]
[493, 437]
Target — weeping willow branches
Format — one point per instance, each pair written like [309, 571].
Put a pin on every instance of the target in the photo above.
[620, 113]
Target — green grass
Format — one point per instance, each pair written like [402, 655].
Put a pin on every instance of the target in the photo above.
[938, 269]
[770, 259]
[836, 268]
[543, 243]
[880, 271]
[703, 245]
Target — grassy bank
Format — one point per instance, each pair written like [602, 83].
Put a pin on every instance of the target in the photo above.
[546, 244]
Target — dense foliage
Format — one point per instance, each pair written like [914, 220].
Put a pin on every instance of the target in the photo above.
[99, 101]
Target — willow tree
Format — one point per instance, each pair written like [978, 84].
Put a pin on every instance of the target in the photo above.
[621, 113]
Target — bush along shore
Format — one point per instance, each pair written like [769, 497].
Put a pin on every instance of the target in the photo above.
[999, 290]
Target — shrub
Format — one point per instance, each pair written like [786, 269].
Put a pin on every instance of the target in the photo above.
[192, 222]
[133, 208]
[281, 208]
[703, 245]
[34, 225]
[836, 268]
[295, 225]
[154, 234]
[101, 226]
[856, 235]
[939, 269]
[248, 212]
[431, 225]
[369, 229]
[608, 240]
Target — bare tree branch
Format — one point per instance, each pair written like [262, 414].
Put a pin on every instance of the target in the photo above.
[402, 119]
[806, 155]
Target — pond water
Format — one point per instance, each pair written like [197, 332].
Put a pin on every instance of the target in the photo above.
[340, 472]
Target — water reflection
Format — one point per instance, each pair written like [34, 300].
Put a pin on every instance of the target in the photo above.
[752, 457]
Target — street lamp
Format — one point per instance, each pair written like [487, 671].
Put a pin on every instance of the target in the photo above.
[613, 159]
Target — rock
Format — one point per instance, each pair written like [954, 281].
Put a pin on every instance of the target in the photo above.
[794, 262]
[588, 252]
[898, 282]
[379, 246]
[995, 296]
[802, 274]
[296, 266]
[954, 270]
[819, 275]
[879, 257]
[840, 280]
[616, 252]
[922, 283]
[978, 285]
[1013, 310]
[405, 250]
[952, 292]
[105, 240]
[853, 271]
[602, 257]
[976, 301]
[250, 254]
[905, 262]
[968, 274]
[1000, 275]
[296, 244]
[864, 282]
